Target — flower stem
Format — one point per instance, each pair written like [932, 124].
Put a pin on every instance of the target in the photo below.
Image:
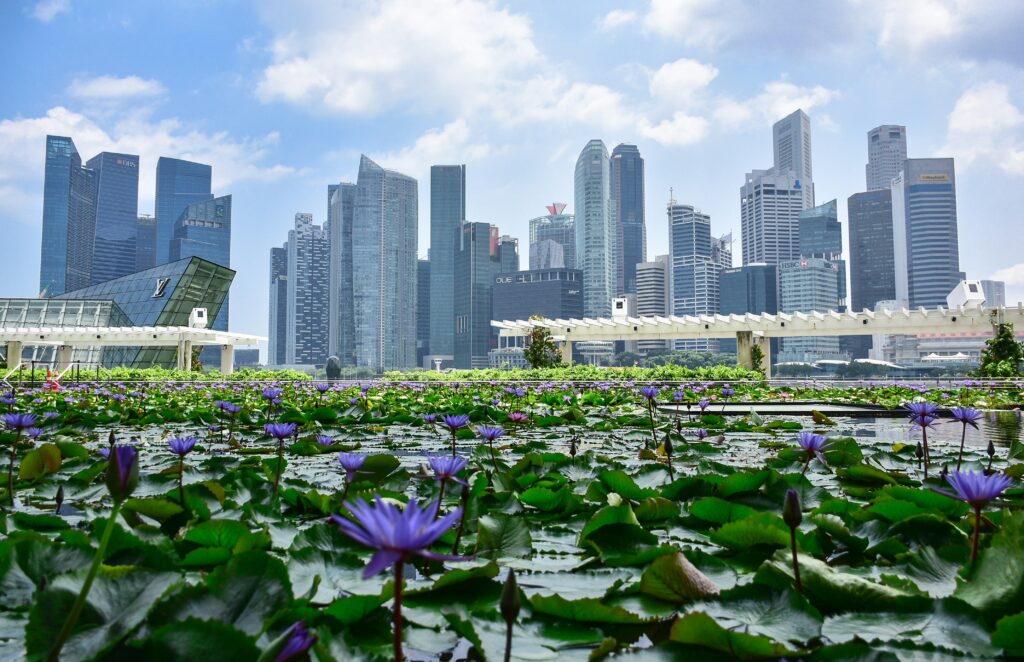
[508, 642]
[280, 464]
[344, 492]
[650, 415]
[398, 611]
[796, 563]
[960, 458]
[494, 459]
[181, 480]
[977, 535]
[76, 609]
[10, 468]
[440, 498]
[453, 443]
[924, 444]
[462, 519]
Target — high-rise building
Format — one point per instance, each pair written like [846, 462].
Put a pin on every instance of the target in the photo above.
[872, 272]
[341, 329]
[331, 188]
[927, 254]
[447, 212]
[548, 293]
[887, 150]
[821, 235]
[278, 327]
[117, 215]
[422, 310]
[694, 272]
[596, 244]
[995, 293]
[555, 228]
[145, 246]
[752, 288]
[652, 296]
[626, 172]
[384, 254]
[308, 279]
[791, 139]
[204, 230]
[69, 208]
[806, 285]
[770, 206]
[480, 256]
[179, 183]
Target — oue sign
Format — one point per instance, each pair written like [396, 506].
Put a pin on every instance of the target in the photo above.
[501, 281]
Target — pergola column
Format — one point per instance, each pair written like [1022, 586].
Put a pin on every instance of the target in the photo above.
[566, 350]
[64, 356]
[744, 347]
[227, 359]
[766, 355]
[13, 354]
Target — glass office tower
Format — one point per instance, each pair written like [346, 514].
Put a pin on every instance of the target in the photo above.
[179, 183]
[596, 243]
[447, 212]
[69, 196]
[117, 215]
[626, 169]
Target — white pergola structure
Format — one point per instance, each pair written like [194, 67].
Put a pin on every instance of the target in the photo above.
[67, 338]
[750, 329]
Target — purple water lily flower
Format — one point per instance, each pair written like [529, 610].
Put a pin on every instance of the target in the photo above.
[727, 391]
[324, 439]
[649, 393]
[299, 641]
[813, 444]
[922, 414]
[33, 433]
[183, 446]
[967, 415]
[977, 489]
[351, 463]
[19, 421]
[702, 434]
[272, 394]
[446, 468]
[430, 418]
[455, 422]
[490, 432]
[396, 534]
[518, 417]
[703, 404]
[122, 471]
[280, 431]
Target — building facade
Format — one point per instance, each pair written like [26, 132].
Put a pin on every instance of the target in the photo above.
[770, 206]
[447, 212]
[69, 217]
[179, 183]
[694, 272]
[277, 334]
[480, 255]
[927, 252]
[145, 246]
[626, 172]
[422, 310]
[652, 296]
[596, 246]
[752, 288]
[806, 285]
[117, 215]
[384, 255]
[887, 150]
[308, 278]
[872, 269]
[341, 328]
[557, 228]
[791, 141]
[995, 293]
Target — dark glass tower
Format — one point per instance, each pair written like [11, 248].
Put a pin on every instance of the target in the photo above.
[422, 310]
[278, 327]
[821, 235]
[479, 258]
[69, 193]
[627, 209]
[145, 247]
[117, 215]
[179, 183]
[872, 271]
[447, 212]
[341, 328]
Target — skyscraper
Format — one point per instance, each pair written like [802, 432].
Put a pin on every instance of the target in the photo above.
[694, 273]
[995, 293]
[752, 288]
[806, 285]
[626, 171]
[652, 296]
[117, 215]
[69, 193]
[179, 183]
[341, 329]
[927, 254]
[278, 326]
[595, 234]
[770, 206]
[145, 243]
[204, 230]
[555, 228]
[479, 257]
[872, 272]
[384, 254]
[308, 279]
[887, 150]
[791, 139]
[331, 188]
[422, 310]
[821, 235]
[447, 212]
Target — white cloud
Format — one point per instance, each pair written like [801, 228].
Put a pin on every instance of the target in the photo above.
[23, 140]
[776, 100]
[679, 131]
[114, 88]
[1013, 275]
[357, 57]
[913, 25]
[677, 82]
[616, 18]
[47, 10]
[451, 144]
[986, 125]
[694, 22]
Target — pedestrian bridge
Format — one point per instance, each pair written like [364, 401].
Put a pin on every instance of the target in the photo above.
[750, 329]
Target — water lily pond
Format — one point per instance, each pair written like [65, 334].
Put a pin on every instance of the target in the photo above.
[639, 521]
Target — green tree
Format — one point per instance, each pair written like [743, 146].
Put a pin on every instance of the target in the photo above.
[1003, 354]
[541, 351]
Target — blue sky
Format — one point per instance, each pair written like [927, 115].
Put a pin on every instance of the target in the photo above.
[282, 97]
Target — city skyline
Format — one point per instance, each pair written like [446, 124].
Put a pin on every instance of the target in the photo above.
[274, 161]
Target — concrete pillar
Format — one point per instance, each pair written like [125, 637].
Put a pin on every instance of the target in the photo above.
[13, 354]
[766, 355]
[64, 354]
[744, 356]
[187, 352]
[181, 355]
[566, 352]
[227, 359]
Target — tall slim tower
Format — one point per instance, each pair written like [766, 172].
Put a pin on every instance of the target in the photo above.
[69, 208]
[770, 206]
[480, 256]
[308, 278]
[791, 139]
[872, 270]
[179, 183]
[626, 168]
[341, 329]
[694, 271]
[595, 233]
[384, 255]
[652, 296]
[117, 215]
[887, 150]
[278, 324]
[447, 212]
